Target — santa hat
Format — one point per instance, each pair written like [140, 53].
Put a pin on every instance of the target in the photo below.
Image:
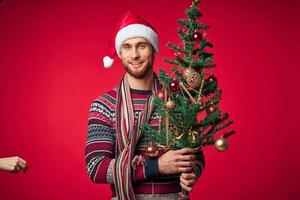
[130, 26]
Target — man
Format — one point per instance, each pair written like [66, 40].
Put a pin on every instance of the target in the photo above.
[115, 149]
[13, 164]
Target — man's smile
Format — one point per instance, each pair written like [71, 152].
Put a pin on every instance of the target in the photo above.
[136, 63]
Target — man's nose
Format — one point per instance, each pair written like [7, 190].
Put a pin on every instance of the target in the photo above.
[135, 53]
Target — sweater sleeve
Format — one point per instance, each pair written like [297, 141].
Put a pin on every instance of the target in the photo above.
[100, 145]
[147, 171]
[150, 168]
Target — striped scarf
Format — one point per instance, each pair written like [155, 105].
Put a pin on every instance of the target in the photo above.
[128, 135]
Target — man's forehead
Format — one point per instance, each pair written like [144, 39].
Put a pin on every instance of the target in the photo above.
[135, 40]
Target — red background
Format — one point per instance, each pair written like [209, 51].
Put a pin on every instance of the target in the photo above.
[50, 71]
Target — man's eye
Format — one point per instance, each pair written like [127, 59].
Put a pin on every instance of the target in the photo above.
[143, 46]
[126, 47]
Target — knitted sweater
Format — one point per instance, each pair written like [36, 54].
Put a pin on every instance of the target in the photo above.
[101, 149]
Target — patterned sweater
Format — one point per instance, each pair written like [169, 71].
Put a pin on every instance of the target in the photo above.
[101, 149]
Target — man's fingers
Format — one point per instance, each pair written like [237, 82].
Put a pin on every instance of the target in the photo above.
[16, 169]
[184, 169]
[25, 167]
[185, 187]
[188, 150]
[21, 164]
[21, 160]
[189, 176]
[185, 164]
[184, 151]
[187, 182]
[196, 150]
[187, 157]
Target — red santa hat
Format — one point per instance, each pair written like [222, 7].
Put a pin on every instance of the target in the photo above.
[130, 26]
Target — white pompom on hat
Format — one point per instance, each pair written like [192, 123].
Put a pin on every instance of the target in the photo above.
[130, 26]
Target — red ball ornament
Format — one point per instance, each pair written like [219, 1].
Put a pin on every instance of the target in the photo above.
[212, 78]
[211, 109]
[161, 94]
[197, 36]
[210, 85]
[174, 86]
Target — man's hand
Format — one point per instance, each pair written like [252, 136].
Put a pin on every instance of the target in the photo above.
[177, 161]
[13, 164]
[188, 180]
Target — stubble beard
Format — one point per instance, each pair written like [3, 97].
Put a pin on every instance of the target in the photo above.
[138, 74]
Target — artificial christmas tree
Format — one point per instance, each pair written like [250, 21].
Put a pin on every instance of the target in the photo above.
[188, 104]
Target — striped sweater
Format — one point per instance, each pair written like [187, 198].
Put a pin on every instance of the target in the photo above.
[100, 151]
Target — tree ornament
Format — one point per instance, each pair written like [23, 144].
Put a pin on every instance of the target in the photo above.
[161, 94]
[187, 71]
[209, 87]
[170, 105]
[151, 151]
[211, 109]
[212, 78]
[221, 144]
[193, 135]
[197, 36]
[174, 130]
[200, 92]
[167, 121]
[174, 86]
[193, 80]
[188, 93]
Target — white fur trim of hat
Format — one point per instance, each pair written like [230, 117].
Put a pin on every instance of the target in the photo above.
[136, 30]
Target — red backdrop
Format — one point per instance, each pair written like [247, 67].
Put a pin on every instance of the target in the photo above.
[50, 58]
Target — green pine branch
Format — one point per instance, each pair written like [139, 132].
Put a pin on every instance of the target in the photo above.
[171, 61]
[176, 48]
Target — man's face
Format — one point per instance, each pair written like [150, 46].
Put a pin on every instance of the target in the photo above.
[137, 55]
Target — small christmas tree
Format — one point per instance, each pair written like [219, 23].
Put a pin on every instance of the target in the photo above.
[187, 105]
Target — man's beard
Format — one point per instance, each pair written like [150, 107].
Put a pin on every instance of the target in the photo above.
[138, 74]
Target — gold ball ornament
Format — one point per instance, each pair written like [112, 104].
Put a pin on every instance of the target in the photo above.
[221, 144]
[152, 151]
[187, 71]
[170, 105]
[193, 80]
